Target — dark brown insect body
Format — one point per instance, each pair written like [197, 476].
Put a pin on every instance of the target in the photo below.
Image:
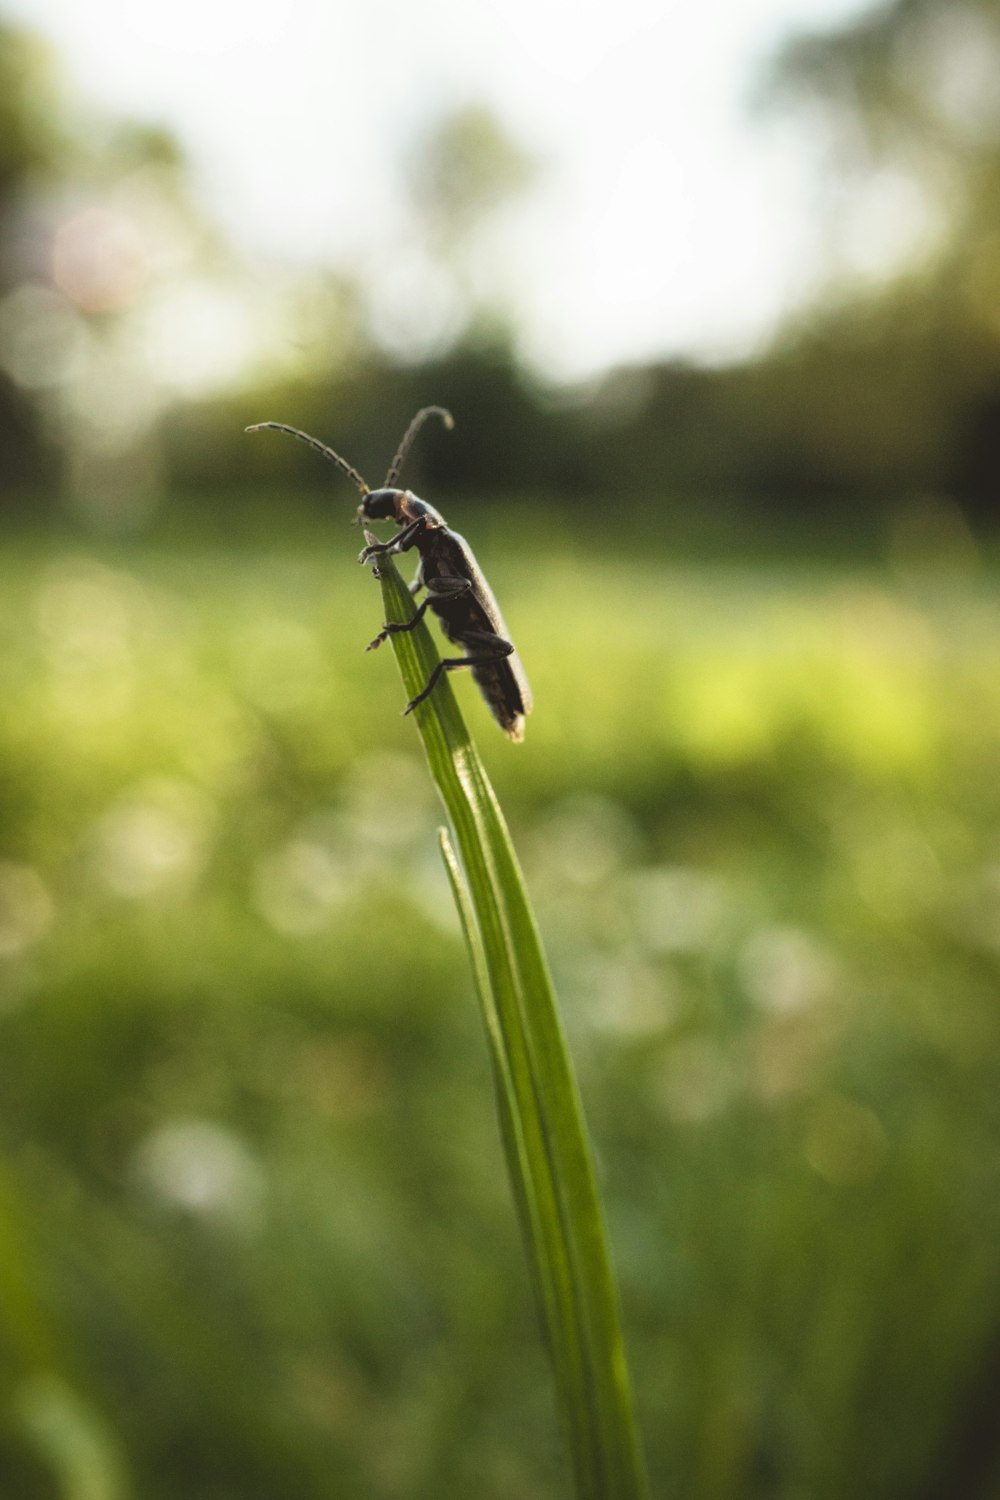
[456, 590]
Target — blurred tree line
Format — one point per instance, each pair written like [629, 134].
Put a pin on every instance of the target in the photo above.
[887, 387]
[28, 154]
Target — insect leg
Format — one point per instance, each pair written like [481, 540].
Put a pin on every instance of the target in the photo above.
[401, 543]
[443, 588]
[500, 649]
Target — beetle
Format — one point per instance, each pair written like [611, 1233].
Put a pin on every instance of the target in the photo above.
[456, 589]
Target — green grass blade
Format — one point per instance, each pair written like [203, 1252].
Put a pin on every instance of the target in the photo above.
[513, 1137]
[542, 1124]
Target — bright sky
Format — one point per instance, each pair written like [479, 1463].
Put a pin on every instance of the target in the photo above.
[664, 220]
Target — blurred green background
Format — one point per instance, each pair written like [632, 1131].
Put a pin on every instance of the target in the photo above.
[255, 1234]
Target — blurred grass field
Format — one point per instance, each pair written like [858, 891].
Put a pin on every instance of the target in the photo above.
[256, 1235]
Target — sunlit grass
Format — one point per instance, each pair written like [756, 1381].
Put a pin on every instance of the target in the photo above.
[759, 815]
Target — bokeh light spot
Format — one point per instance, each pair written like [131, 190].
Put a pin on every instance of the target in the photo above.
[99, 260]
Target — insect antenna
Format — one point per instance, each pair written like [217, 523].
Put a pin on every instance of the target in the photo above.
[410, 434]
[303, 437]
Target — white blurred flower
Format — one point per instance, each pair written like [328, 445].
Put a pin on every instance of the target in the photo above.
[201, 1167]
[297, 886]
[785, 969]
[678, 910]
[154, 839]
